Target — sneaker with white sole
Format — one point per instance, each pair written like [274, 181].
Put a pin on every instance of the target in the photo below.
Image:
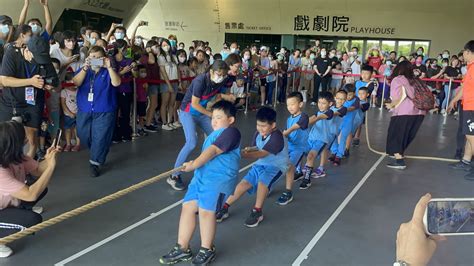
[5, 251]
[167, 127]
[254, 219]
[176, 183]
[177, 124]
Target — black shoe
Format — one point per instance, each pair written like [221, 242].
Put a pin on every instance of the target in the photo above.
[176, 183]
[397, 164]
[126, 139]
[177, 254]
[151, 129]
[95, 171]
[305, 184]
[461, 165]
[332, 157]
[205, 256]
[222, 214]
[142, 133]
[298, 176]
[355, 142]
[254, 219]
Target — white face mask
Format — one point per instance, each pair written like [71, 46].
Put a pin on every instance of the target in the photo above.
[181, 47]
[280, 58]
[5, 29]
[95, 68]
[246, 57]
[323, 54]
[166, 48]
[35, 28]
[217, 79]
[389, 63]
[311, 56]
[182, 59]
[142, 75]
[232, 50]
[339, 56]
[138, 42]
[119, 35]
[445, 55]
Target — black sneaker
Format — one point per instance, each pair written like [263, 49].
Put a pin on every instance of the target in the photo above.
[397, 164]
[176, 182]
[332, 157]
[94, 170]
[461, 166]
[177, 254]
[355, 142]
[141, 132]
[151, 129]
[205, 256]
[254, 219]
[222, 214]
[305, 184]
[285, 198]
[298, 176]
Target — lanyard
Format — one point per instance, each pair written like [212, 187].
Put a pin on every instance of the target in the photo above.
[27, 69]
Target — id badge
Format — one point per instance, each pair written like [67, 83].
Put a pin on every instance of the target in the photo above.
[30, 95]
[90, 97]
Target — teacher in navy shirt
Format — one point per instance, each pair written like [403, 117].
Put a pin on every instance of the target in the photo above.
[97, 104]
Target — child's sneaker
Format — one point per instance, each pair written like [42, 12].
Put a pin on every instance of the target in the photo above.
[5, 251]
[318, 173]
[177, 254]
[254, 219]
[167, 127]
[355, 142]
[176, 182]
[337, 161]
[151, 129]
[177, 124]
[298, 176]
[222, 214]
[205, 256]
[305, 184]
[285, 198]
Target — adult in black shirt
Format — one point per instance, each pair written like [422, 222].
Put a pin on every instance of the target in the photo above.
[419, 69]
[322, 66]
[25, 67]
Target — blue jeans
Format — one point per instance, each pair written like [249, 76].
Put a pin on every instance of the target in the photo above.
[189, 123]
[270, 88]
[446, 96]
[95, 130]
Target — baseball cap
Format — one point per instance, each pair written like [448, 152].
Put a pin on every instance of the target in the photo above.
[4, 19]
[40, 50]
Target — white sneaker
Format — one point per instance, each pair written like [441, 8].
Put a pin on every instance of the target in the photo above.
[167, 127]
[177, 124]
[38, 209]
[5, 251]
[443, 111]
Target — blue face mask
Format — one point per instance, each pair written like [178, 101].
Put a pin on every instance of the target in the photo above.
[35, 28]
[119, 35]
[5, 29]
[92, 41]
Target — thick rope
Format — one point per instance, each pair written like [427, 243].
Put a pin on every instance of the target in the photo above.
[409, 156]
[84, 208]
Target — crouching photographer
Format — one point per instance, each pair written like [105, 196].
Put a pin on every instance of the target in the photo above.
[26, 73]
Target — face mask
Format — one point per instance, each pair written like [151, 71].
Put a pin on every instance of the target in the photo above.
[211, 60]
[445, 64]
[92, 41]
[419, 52]
[208, 52]
[35, 28]
[246, 57]
[181, 47]
[339, 56]
[166, 48]
[232, 50]
[253, 52]
[389, 63]
[311, 57]
[5, 29]
[445, 55]
[95, 68]
[323, 54]
[173, 43]
[142, 75]
[217, 79]
[280, 58]
[182, 59]
[119, 35]
[331, 55]
[138, 42]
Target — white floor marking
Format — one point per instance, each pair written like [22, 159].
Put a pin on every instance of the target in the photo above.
[127, 229]
[304, 254]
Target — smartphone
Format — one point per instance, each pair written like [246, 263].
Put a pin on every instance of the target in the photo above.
[59, 134]
[450, 217]
[97, 61]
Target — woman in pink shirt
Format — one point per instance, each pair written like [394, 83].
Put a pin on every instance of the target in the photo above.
[406, 118]
[16, 197]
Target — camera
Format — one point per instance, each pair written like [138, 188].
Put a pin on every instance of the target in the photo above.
[52, 81]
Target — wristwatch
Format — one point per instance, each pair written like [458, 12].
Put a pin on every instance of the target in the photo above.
[400, 263]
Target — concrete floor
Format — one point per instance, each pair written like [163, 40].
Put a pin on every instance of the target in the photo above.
[363, 233]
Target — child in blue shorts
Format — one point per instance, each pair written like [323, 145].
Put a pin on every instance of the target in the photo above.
[340, 147]
[339, 111]
[272, 154]
[319, 136]
[297, 134]
[215, 177]
[359, 119]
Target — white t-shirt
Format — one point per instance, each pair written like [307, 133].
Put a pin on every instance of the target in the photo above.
[170, 66]
[55, 52]
[236, 90]
[70, 96]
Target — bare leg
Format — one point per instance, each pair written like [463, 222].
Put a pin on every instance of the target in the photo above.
[468, 148]
[151, 109]
[165, 98]
[78, 141]
[68, 137]
[207, 226]
[187, 223]
[171, 111]
[240, 190]
[310, 159]
[263, 95]
[324, 158]
[290, 176]
[262, 192]
[32, 135]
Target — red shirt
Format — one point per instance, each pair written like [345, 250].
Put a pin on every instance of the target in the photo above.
[468, 89]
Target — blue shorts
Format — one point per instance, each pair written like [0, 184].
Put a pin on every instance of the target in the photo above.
[267, 175]
[207, 199]
[164, 87]
[153, 89]
[317, 146]
[296, 157]
[69, 122]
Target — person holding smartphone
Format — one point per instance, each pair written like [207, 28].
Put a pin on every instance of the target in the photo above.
[18, 198]
[97, 105]
[67, 53]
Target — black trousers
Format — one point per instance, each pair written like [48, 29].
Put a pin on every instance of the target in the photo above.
[123, 129]
[319, 81]
[401, 132]
[13, 219]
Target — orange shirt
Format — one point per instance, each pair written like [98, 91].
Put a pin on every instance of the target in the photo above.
[468, 89]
